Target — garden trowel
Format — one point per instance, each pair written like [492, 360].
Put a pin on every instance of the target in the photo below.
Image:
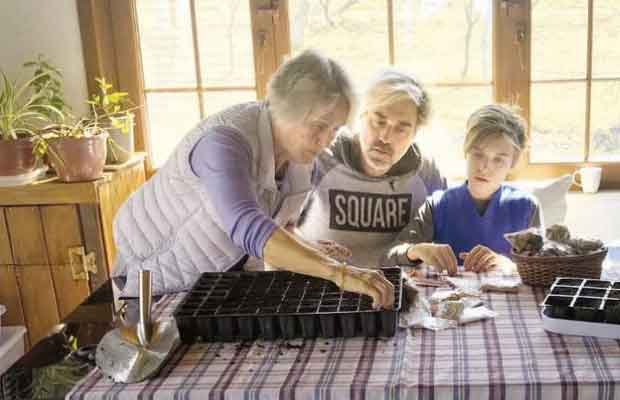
[132, 353]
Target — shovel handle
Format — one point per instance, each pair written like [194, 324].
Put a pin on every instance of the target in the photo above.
[145, 327]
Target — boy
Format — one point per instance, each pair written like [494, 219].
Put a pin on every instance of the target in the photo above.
[470, 220]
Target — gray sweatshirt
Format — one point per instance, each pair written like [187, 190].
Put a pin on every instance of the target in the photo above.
[365, 213]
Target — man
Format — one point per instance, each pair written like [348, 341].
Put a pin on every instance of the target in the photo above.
[367, 185]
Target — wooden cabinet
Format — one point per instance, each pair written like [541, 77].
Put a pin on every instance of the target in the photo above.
[56, 244]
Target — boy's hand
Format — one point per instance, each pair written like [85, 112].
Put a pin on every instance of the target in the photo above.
[479, 259]
[440, 256]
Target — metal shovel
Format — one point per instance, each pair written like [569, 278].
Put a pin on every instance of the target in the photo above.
[133, 353]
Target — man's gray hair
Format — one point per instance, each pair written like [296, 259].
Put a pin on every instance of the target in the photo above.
[307, 82]
[391, 86]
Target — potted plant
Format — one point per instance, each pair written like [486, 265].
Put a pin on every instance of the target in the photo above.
[77, 150]
[115, 111]
[24, 112]
[47, 82]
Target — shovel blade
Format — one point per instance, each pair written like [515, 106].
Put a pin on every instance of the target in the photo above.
[121, 357]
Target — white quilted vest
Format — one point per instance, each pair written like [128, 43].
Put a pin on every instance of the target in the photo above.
[169, 225]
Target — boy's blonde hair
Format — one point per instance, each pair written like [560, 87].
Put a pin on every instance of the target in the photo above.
[496, 120]
[391, 86]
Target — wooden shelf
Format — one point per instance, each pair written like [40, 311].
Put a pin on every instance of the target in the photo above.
[51, 191]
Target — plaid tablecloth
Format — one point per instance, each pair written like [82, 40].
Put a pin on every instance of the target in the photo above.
[510, 357]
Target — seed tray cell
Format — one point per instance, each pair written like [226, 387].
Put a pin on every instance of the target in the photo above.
[592, 292]
[613, 294]
[564, 290]
[597, 283]
[582, 300]
[232, 306]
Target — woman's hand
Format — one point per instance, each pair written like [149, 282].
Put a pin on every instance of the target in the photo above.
[286, 251]
[480, 259]
[334, 250]
[439, 256]
[366, 281]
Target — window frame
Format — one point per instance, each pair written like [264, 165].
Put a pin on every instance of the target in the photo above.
[111, 48]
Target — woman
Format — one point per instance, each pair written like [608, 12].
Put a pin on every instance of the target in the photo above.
[235, 181]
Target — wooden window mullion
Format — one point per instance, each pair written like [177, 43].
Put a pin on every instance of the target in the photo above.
[262, 14]
[197, 65]
[110, 42]
[280, 20]
[391, 38]
[586, 150]
[511, 57]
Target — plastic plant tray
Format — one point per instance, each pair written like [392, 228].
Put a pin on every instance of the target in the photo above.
[586, 307]
[233, 306]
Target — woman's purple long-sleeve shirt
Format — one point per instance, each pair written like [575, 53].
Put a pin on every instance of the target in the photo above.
[222, 159]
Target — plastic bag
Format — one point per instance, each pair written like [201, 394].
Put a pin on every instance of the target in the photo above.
[451, 310]
[444, 314]
[452, 295]
[467, 285]
[504, 284]
[555, 241]
[472, 314]
[420, 316]
[527, 242]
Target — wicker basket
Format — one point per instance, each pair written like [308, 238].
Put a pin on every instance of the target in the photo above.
[542, 271]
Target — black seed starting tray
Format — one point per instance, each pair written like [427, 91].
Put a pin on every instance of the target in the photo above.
[232, 306]
[587, 307]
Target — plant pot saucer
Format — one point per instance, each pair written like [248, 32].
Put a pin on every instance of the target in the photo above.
[23, 179]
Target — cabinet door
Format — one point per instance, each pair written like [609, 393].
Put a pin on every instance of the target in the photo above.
[61, 225]
[92, 237]
[38, 285]
[32, 271]
[9, 292]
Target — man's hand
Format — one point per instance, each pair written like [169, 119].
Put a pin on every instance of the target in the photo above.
[439, 256]
[369, 282]
[480, 259]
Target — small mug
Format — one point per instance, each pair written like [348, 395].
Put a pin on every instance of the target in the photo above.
[590, 178]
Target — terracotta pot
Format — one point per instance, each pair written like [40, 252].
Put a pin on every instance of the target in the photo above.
[16, 157]
[78, 159]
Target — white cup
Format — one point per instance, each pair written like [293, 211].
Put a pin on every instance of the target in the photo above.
[589, 178]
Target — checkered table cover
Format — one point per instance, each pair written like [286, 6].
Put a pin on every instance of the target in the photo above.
[509, 357]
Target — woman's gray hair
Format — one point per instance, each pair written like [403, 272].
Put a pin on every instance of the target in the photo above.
[496, 120]
[391, 86]
[305, 83]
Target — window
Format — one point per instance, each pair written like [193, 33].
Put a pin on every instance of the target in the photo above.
[197, 59]
[575, 87]
[558, 60]
[366, 35]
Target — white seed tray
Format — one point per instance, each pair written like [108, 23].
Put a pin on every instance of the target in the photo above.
[580, 328]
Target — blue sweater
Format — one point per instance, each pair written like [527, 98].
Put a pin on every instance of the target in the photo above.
[457, 222]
